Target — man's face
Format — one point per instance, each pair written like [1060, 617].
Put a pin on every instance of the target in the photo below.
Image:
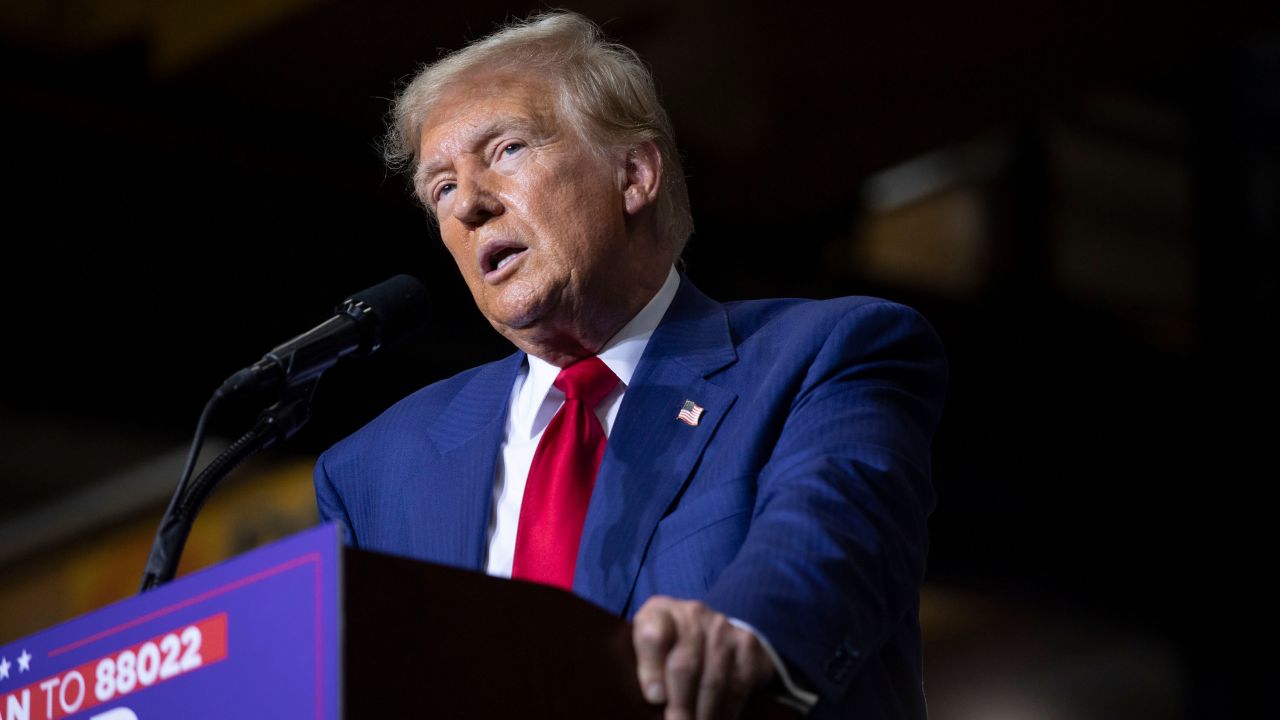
[534, 218]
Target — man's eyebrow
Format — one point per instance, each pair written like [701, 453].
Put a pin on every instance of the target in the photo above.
[426, 170]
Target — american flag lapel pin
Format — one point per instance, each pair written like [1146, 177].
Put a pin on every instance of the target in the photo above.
[690, 414]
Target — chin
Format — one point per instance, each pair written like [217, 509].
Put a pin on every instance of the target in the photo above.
[516, 316]
[520, 306]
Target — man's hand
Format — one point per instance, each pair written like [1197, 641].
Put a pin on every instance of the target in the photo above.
[690, 657]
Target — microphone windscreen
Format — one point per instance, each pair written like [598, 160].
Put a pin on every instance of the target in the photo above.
[399, 304]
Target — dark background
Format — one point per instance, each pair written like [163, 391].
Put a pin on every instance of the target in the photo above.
[187, 185]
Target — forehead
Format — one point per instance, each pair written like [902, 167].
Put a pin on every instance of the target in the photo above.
[483, 104]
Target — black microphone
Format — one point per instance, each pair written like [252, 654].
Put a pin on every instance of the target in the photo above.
[364, 322]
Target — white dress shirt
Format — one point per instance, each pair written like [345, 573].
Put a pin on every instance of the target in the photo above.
[535, 400]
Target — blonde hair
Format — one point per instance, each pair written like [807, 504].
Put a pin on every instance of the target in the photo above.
[605, 91]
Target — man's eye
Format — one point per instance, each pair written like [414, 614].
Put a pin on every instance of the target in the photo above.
[512, 148]
[444, 189]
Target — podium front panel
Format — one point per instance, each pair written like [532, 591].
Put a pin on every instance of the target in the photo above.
[254, 637]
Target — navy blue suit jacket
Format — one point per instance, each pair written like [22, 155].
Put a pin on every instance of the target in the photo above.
[798, 503]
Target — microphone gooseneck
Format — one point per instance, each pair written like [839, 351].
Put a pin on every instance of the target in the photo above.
[363, 324]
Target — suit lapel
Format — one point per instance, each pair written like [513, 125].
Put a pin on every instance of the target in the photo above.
[468, 435]
[651, 454]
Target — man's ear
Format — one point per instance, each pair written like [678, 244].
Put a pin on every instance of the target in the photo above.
[643, 176]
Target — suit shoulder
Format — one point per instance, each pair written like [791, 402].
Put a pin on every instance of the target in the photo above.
[414, 414]
[777, 319]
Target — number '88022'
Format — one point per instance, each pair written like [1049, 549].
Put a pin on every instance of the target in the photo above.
[122, 674]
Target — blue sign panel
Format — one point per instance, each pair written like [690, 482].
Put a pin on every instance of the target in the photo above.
[253, 637]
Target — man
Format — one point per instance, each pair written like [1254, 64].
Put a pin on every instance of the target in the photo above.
[749, 482]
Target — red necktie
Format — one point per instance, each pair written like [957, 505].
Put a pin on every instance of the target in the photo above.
[561, 476]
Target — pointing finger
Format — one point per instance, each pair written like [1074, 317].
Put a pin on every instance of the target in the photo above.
[653, 633]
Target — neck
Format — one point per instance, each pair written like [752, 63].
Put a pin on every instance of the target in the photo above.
[585, 332]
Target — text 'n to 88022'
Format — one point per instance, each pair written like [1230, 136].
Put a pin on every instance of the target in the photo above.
[131, 669]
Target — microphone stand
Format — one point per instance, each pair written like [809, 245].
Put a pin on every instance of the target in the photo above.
[276, 424]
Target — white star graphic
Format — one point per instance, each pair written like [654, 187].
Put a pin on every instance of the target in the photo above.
[4, 668]
[24, 661]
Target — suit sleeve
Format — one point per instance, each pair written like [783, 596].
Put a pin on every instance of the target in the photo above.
[329, 503]
[833, 561]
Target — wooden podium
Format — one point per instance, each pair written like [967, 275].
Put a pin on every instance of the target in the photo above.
[305, 628]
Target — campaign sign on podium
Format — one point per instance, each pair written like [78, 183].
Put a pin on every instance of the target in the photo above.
[255, 636]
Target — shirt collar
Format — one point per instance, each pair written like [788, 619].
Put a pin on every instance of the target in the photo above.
[622, 352]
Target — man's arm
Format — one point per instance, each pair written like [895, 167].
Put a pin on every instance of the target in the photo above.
[835, 553]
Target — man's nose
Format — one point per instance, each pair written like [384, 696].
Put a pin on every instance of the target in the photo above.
[474, 202]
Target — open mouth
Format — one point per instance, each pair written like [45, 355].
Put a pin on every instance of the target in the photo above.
[499, 259]
[498, 256]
